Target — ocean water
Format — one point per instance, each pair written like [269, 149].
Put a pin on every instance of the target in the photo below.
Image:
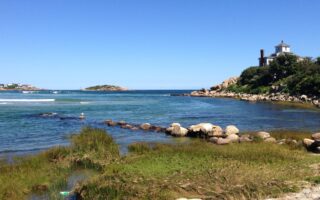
[24, 129]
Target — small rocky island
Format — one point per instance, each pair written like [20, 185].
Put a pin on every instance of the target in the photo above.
[106, 88]
[18, 86]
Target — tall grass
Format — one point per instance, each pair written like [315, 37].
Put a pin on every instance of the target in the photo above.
[160, 171]
[48, 171]
[203, 170]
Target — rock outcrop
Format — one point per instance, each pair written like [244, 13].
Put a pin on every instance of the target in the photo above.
[106, 88]
[225, 84]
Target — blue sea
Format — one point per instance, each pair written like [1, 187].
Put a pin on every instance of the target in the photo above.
[23, 128]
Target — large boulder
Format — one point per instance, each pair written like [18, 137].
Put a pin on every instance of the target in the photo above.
[263, 135]
[304, 98]
[231, 129]
[202, 127]
[233, 138]
[312, 145]
[222, 141]
[176, 130]
[307, 142]
[270, 139]
[216, 131]
[315, 136]
[145, 126]
[206, 129]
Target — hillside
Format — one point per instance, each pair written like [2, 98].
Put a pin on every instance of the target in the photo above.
[284, 75]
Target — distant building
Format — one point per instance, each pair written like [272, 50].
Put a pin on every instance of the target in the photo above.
[280, 49]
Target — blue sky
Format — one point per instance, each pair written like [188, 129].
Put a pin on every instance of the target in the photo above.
[144, 44]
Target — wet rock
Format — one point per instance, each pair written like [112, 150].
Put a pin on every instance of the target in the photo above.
[157, 129]
[126, 126]
[145, 126]
[231, 129]
[122, 123]
[49, 114]
[110, 123]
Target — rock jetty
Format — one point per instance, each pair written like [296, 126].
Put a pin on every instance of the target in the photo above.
[218, 135]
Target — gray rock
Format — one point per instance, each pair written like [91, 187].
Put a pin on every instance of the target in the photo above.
[145, 126]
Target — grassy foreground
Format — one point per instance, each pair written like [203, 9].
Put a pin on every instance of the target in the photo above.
[161, 171]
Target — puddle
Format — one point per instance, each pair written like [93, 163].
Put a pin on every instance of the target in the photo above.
[75, 177]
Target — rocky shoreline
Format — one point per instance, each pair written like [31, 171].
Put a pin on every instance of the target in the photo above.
[18, 87]
[221, 90]
[217, 135]
[273, 97]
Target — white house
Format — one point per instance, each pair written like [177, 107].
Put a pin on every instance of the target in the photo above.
[280, 49]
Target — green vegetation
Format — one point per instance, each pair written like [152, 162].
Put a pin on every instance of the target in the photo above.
[106, 88]
[48, 171]
[161, 171]
[285, 74]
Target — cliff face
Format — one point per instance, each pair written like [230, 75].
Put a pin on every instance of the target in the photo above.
[106, 88]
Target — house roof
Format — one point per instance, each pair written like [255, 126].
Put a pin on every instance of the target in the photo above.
[282, 44]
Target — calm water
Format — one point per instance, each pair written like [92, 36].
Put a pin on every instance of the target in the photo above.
[22, 129]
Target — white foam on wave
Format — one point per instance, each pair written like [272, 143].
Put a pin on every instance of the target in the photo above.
[27, 100]
[84, 102]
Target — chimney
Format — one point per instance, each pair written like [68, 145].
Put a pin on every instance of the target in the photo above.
[261, 60]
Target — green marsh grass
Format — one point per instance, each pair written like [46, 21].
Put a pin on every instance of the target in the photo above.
[48, 171]
[161, 171]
